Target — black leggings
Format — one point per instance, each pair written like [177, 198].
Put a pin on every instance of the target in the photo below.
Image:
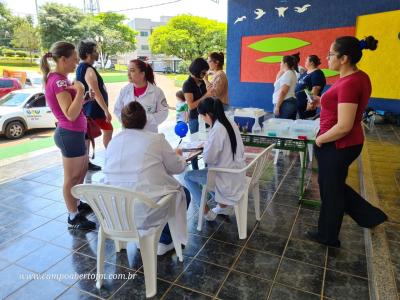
[337, 197]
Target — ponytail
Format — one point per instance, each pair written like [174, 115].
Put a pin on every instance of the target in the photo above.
[215, 109]
[57, 50]
[146, 68]
[45, 67]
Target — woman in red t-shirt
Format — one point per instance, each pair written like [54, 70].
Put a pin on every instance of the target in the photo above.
[340, 141]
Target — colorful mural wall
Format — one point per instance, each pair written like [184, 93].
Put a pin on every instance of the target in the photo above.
[261, 32]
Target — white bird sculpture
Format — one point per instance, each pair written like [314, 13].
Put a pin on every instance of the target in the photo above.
[242, 18]
[281, 11]
[259, 12]
[301, 9]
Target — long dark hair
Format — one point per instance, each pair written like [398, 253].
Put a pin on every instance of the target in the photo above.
[215, 109]
[146, 68]
[57, 50]
[352, 47]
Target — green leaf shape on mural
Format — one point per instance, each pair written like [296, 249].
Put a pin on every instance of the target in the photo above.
[278, 44]
[329, 73]
[271, 59]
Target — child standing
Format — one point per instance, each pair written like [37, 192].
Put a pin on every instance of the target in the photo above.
[182, 109]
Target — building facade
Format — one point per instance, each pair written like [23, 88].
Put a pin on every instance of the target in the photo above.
[159, 62]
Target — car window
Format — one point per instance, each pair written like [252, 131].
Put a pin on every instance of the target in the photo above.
[38, 101]
[13, 99]
[5, 83]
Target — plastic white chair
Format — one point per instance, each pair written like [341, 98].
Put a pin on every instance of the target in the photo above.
[256, 167]
[114, 208]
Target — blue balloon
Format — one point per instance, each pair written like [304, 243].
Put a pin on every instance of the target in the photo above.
[181, 129]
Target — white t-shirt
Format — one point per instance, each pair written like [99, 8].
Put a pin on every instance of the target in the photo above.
[288, 78]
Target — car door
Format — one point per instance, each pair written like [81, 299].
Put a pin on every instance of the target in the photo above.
[37, 113]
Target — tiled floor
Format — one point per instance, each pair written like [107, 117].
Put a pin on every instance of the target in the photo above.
[383, 149]
[276, 261]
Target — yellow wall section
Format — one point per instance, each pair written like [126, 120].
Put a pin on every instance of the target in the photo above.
[382, 65]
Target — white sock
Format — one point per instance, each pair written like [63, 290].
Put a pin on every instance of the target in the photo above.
[72, 215]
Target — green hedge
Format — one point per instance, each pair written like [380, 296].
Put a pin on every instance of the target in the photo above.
[16, 62]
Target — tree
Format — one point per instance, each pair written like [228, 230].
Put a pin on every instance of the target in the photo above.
[112, 35]
[188, 37]
[26, 36]
[8, 24]
[58, 22]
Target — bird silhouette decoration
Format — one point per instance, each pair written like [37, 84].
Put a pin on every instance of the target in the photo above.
[240, 19]
[259, 12]
[302, 9]
[281, 11]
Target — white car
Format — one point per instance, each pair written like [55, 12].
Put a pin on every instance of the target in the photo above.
[23, 110]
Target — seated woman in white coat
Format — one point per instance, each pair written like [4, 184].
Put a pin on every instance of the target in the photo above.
[142, 88]
[144, 161]
[224, 149]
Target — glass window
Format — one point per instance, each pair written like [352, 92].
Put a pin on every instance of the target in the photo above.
[38, 101]
[144, 47]
[13, 99]
[144, 33]
[6, 83]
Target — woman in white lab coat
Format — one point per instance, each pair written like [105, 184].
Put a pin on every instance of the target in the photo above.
[144, 161]
[224, 149]
[142, 88]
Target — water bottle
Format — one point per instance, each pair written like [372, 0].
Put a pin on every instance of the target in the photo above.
[256, 127]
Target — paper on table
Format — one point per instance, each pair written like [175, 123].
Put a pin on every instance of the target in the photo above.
[309, 96]
[195, 145]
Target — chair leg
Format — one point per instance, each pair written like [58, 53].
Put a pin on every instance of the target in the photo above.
[119, 245]
[276, 156]
[177, 244]
[100, 257]
[256, 196]
[148, 251]
[310, 151]
[241, 216]
[201, 208]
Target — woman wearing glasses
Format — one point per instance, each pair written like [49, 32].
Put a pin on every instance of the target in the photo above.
[340, 141]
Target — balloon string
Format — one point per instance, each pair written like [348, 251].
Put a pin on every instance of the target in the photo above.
[179, 143]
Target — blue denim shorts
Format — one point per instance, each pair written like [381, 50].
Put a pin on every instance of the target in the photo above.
[71, 143]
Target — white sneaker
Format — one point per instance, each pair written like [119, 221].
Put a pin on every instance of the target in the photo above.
[210, 215]
[223, 210]
[163, 248]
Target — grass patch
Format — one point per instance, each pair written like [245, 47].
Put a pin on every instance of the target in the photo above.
[34, 145]
[114, 77]
[178, 79]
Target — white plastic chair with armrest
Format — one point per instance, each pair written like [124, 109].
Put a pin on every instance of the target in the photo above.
[114, 208]
[256, 168]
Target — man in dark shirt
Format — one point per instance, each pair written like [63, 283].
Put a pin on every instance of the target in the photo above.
[93, 82]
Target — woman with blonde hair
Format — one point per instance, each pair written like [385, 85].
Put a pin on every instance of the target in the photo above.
[65, 101]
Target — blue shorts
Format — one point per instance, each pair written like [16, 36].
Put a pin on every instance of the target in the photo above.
[71, 143]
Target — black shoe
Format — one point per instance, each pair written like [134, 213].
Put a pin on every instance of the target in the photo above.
[314, 236]
[80, 222]
[93, 167]
[84, 209]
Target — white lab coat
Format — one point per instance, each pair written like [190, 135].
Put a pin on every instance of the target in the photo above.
[153, 101]
[145, 161]
[229, 188]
